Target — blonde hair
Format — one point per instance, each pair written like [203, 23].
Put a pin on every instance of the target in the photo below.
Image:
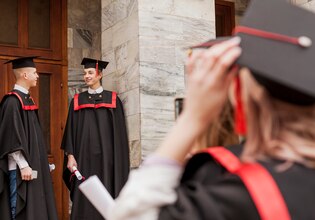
[277, 129]
[220, 132]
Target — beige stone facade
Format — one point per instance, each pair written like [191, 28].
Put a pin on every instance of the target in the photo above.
[143, 40]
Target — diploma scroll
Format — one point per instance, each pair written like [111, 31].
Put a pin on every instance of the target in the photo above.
[97, 194]
[34, 174]
[77, 173]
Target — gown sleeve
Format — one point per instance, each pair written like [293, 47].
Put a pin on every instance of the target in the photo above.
[12, 133]
[207, 196]
[67, 143]
[121, 147]
[19, 159]
[147, 189]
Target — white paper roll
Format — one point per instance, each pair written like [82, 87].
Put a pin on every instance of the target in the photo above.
[97, 194]
[77, 173]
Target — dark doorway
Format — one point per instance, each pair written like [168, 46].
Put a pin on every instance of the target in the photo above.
[224, 17]
[39, 28]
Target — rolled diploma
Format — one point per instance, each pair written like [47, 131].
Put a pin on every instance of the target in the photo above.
[77, 173]
[97, 194]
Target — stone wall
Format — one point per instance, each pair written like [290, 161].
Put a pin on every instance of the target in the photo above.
[120, 46]
[165, 28]
[84, 39]
[143, 40]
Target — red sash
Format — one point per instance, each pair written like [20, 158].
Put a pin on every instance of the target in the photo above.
[24, 107]
[78, 106]
[259, 183]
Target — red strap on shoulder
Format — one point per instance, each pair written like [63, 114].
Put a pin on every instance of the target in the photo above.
[225, 158]
[258, 181]
[264, 192]
[78, 106]
[76, 102]
[24, 107]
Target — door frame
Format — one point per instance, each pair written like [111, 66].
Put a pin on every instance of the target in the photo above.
[226, 10]
[56, 56]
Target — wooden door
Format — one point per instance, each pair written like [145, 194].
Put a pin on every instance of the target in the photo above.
[224, 17]
[38, 28]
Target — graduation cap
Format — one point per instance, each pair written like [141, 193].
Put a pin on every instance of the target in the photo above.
[22, 62]
[92, 63]
[278, 46]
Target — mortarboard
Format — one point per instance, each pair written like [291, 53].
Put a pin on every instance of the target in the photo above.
[22, 62]
[278, 46]
[91, 63]
[272, 33]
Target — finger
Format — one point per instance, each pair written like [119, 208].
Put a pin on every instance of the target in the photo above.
[69, 168]
[231, 75]
[191, 61]
[219, 49]
[225, 62]
[209, 58]
[25, 177]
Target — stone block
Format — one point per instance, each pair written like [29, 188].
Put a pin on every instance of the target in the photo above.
[109, 57]
[161, 79]
[148, 146]
[133, 126]
[129, 78]
[125, 30]
[109, 82]
[197, 9]
[135, 153]
[70, 38]
[107, 40]
[131, 101]
[161, 6]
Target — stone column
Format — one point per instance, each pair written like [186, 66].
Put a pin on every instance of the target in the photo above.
[120, 46]
[144, 41]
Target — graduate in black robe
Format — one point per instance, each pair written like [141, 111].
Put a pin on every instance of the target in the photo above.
[20, 131]
[95, 140]
[208, 191]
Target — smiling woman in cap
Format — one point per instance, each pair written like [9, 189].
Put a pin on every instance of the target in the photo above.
[272, 176]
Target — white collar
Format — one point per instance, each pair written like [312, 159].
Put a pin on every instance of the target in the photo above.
[20, 88]
[96, 91]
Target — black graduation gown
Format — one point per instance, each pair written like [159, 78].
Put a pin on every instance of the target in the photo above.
[207, 192]
[20, 130]
[96, 135]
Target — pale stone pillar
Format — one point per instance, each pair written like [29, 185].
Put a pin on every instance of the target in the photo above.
[144, 41]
